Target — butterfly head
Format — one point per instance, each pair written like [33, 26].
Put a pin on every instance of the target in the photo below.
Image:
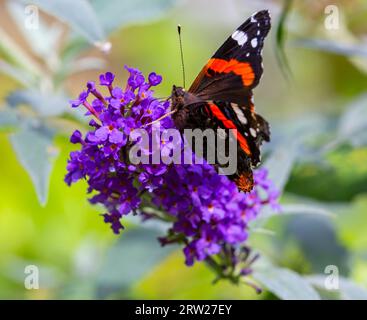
[178, 97]
[178, 105]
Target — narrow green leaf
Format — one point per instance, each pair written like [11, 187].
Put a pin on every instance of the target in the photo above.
[306, 209]
[14, 55]
[35, 152]
[284, 283]
[43, 103]
[79, 14]
[281, 38]
[17, 73]
[292, 209]
[348, 290]
[351, 291]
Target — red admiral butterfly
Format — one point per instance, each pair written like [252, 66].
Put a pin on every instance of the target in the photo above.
[221, 95]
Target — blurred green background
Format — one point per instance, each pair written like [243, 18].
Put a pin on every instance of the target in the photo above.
[313, 93]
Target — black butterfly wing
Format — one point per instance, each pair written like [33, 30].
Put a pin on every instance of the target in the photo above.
[236, 67]
[222, 95]
[226, 83]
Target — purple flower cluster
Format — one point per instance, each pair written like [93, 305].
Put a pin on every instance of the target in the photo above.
[208, 208]
[209, 214]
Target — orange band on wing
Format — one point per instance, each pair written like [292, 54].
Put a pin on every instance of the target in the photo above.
[242, 69]
[230, 125]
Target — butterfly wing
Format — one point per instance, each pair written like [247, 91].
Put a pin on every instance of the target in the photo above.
[229, 77]
[252, 128]
[226, 83]
[236, 67]
[223, 89]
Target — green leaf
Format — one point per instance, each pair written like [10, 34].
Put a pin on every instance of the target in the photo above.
[352, 126]
[116, 14]
[280, 164]
[351, 224]
[341, 178]
[292, 209]
[348, 290]
[304, 129]
[306, 209]
[79, 14]
[45, 104]
[18, 74]
[353, 123]
[281, 38]
[284, 283]
[14, 55]
[8, 119]
[351, 291]
[35, 152]
[305, 132]
[135, 254]
[319, 243]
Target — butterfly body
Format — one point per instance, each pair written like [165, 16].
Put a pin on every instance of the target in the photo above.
[221, 96]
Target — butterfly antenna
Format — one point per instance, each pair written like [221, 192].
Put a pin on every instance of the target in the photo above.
[182, 56]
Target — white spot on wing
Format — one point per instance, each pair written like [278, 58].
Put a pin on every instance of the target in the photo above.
[240, 37]
[241, 117]
[253, 132]
[254, 42]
